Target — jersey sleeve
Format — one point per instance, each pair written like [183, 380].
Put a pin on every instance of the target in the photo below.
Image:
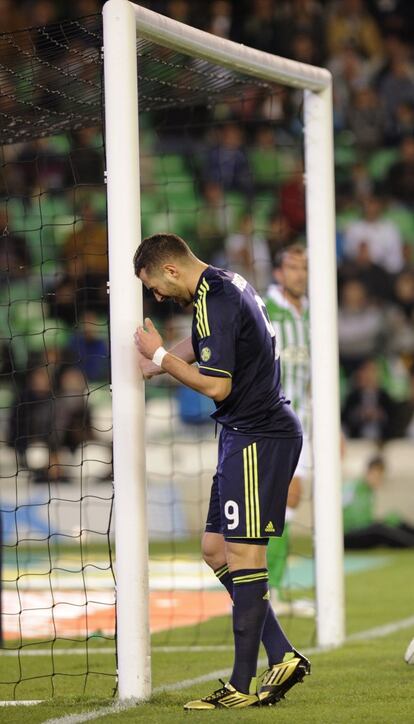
[216, 331]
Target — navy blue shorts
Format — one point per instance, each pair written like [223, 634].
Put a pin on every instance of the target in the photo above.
[250, 487]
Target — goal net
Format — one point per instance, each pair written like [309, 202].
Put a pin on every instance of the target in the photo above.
[209, 101]
[225, 144]
[56, 498]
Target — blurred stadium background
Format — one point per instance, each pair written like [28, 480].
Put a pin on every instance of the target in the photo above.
[229, 178]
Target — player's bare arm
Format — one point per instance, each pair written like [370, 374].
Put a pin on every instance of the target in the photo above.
[183, 350]
[148, 340]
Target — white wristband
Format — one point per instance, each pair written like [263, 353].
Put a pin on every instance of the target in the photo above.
[159, 355]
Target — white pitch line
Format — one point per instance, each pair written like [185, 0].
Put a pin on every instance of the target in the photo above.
[21, 702]
[106, 650]
[380, 631]
[94, 714]
[377, 632]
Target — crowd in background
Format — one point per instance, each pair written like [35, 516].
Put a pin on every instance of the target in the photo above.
[243, 192]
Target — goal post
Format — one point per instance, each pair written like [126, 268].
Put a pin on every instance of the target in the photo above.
[128, 394]
[123, 23]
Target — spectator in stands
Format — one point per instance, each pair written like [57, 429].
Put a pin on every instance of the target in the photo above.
[279, 233]
[89, 349]
[277, 109]
[361, 528]
[259, 29]
[292, 199]
[350, 24]
[394, 16]
[350, 71]
[397, 332]
[15, 257]
[360, 326]
[404, 293]
[47, 415]
[404, 417]
[46, 12]
[82, 8]
[402, 127]
[179, 10]
[214, 219]
[248, 254]
[72, 413]
[31, 424]
[304, 49]
[220, 18]
[377, 282]
[304, 17]
[365, 118]
[400, 179]
[269, 161]
[396, 87]
[361, 182]
[380, 235]
[402, 338]
[85, 259]
[227, 163]
[63, 300]
[14, 15]
[44, 165]
[86, 159]
[368, 409]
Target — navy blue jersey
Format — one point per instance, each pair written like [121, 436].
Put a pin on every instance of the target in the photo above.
[232, 337]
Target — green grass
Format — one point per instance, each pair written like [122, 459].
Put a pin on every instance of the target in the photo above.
[364, 681]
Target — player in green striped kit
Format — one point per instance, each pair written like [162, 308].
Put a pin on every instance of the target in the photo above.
[288, 310]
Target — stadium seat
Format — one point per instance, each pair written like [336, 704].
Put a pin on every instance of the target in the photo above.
[381, 161]
[171, 166]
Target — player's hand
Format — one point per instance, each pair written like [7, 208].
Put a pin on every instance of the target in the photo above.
[147, 339]
[148, 368]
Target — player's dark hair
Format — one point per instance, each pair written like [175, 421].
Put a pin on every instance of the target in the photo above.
[157, 249]
[280, 255]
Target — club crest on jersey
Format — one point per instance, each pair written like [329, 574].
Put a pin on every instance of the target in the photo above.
[205, 354]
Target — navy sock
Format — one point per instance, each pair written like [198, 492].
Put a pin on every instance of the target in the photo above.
[250, 606]
[273, 638]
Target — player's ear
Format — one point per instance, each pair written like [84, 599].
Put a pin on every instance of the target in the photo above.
[170, 270]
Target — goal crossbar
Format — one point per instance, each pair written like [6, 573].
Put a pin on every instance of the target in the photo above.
[220, 51]
[123, 21]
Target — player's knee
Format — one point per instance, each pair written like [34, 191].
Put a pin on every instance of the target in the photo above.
[212, 548]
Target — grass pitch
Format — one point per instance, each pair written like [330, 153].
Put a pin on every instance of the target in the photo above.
[364, 681]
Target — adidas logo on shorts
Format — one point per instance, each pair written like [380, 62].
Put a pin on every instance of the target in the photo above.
[270, 528]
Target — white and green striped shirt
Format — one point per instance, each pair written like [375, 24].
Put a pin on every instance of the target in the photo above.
[292, 346]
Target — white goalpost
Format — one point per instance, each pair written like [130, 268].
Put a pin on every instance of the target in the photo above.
[123, 23]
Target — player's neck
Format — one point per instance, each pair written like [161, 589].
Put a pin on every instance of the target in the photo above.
[294, 301]
[194, 273]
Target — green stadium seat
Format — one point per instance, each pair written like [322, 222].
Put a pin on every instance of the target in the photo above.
[156, 223]
[170, 167]
[345, 156]
[404, 219]
[381, 161]
[263, 205]
[269, 166]
[179, 194]
[237, 204]
[150, 202]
